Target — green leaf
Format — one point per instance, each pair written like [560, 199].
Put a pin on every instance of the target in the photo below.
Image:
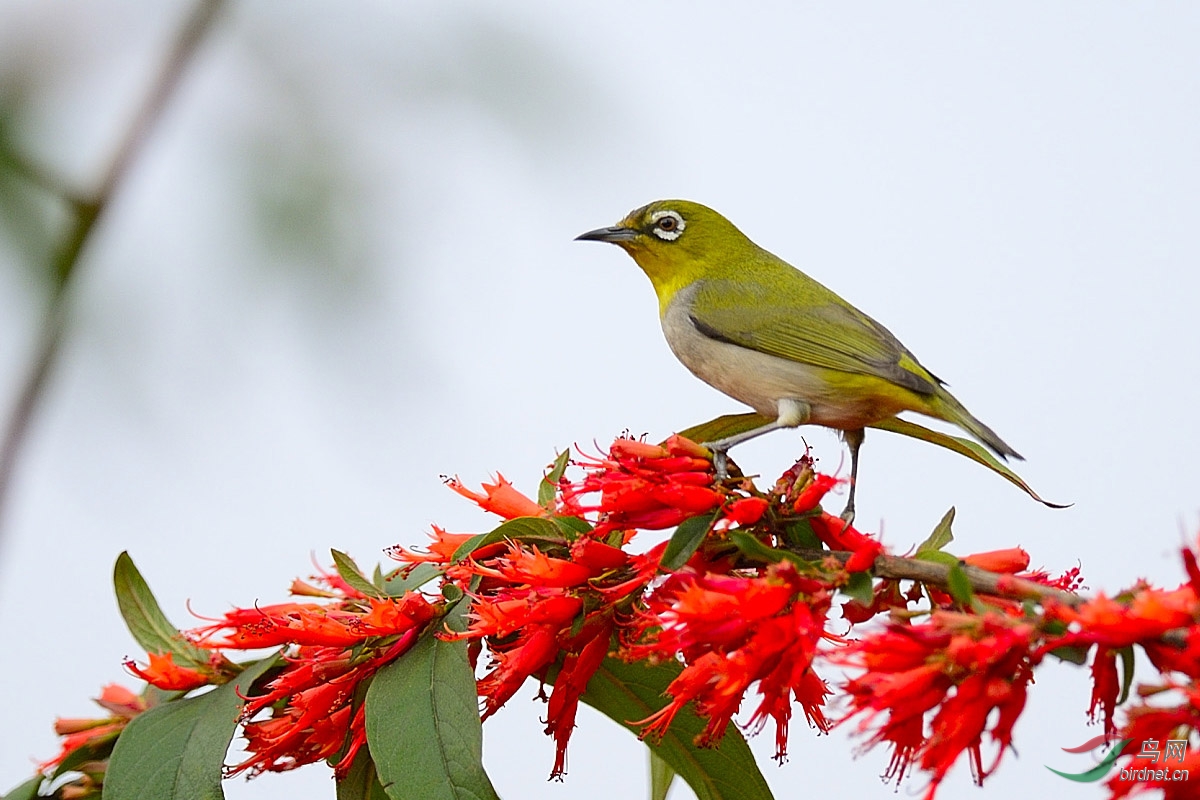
[423, 723]
[723, 426]
[571, 527]
[452, 593]
[800, 533]
[26, 791]
[972, 450]
[353, 576]
[732, 424]
[937, 557]
[940, 537]
[524, 529]
[959, 585]
[751, 547]
[175, 751]
[661, 777]
[548, 488]
[1126, 654]
[147, 624]
[362, 781]
[625, 692]
[1071, 654]
[686, 539]
[96, 751]
[860, 587]
[396, 585]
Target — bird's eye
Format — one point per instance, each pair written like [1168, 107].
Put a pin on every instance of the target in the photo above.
[668, 225]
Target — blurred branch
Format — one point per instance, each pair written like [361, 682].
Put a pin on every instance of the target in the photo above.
[88, 211]
[41, 177]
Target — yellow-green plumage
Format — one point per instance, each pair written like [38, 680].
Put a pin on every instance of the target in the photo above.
[763, 332]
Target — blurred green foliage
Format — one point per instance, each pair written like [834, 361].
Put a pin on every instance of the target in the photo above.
[32, 214]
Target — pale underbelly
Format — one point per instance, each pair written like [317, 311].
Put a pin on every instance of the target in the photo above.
[835, 399]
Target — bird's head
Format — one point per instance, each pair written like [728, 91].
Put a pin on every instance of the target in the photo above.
[675, 242]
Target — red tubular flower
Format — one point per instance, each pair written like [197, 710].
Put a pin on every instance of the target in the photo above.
[837, 534]
[499, 498]
[1069, 581]
[1190, 566]
[746, 511]
[680, 446]
[634, 449]
[164, 673]
[534, 568]
[1106, 687]
[1010, 560]
[577, 669]
[441, 551]
[597, 556]
[395, 615]
[534, 649]
[509, 611]
[812, 494]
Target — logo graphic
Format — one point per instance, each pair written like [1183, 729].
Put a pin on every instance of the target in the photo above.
[1101, 770]
[1152, 751]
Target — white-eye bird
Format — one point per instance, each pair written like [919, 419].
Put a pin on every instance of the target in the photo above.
[756, 328]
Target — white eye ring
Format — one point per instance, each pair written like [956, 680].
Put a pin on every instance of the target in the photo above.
[672, 229]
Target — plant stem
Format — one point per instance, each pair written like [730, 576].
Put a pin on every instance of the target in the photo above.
[930, 572]
[88, 212]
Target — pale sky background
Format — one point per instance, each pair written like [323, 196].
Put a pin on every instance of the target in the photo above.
[1012, 188]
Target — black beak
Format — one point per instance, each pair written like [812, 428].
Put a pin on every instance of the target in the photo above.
[614, 234]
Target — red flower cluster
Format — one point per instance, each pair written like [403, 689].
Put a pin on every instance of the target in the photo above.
[801, 489]
[929, 690]
[736, 623]
[534, 607]
[749, 612]
[645, 486]
[733, 632]
[329, 650]
[955, 669]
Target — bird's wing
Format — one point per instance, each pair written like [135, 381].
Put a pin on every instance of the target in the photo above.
[808, 325]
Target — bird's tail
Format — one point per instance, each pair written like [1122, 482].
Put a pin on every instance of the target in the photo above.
[946, 406]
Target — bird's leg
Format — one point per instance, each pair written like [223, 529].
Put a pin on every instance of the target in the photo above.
[854, 439]
[720, 461]
[792, 413]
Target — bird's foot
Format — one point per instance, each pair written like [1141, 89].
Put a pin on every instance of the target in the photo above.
[720, 461]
